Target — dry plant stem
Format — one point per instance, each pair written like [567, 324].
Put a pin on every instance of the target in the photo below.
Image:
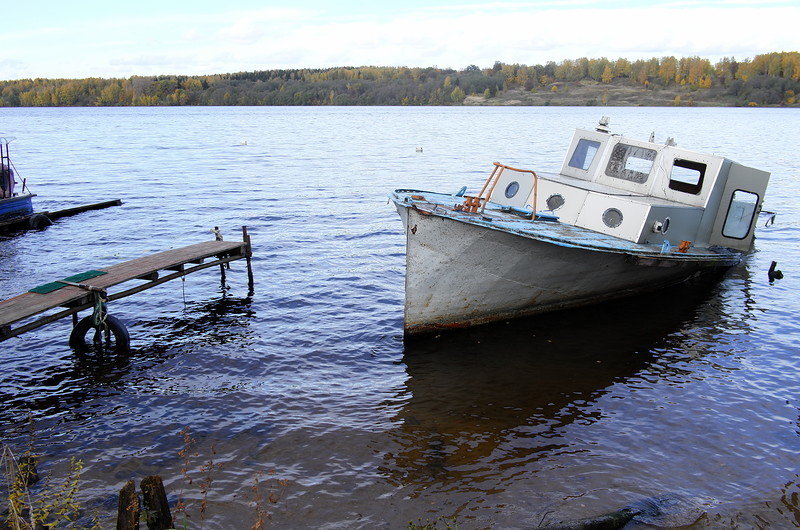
[53, 506]
[186, 452]
[205, 484]
[59, 503]
[258, 503]
[19, 499]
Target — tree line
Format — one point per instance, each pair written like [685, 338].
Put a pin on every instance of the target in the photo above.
[767, 79]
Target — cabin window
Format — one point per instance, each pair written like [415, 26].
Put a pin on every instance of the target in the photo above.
[741, 211]
[631, 163]
[687, 176]
[612, 218]
[555, 201]
[584, 153]
[512, 189]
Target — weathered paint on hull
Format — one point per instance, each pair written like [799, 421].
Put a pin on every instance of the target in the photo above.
[16, 207]
[459, 274]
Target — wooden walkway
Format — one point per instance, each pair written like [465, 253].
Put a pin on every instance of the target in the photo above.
[25, 222]
[178, 262]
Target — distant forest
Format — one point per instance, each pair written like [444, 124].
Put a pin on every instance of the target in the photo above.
[771, 79]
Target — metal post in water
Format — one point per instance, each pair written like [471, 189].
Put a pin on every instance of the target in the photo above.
[218, 237]
[248, 254]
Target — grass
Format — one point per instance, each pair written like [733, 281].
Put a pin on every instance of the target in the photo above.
[29, 504]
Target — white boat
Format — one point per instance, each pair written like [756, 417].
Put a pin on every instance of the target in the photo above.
[621, 217]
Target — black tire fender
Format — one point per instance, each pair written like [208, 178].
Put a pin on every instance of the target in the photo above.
[122, 339]
[39, 221]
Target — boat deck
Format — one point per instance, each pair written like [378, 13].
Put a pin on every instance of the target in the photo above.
[30, 304]
[561, 234]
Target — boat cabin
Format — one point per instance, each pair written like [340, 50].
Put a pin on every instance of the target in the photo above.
[13, 205]
[6, 171]
[644, 192]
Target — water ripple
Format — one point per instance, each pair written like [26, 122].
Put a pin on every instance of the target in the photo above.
[308, 380]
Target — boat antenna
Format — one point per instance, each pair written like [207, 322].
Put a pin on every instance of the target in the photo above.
[602, 125]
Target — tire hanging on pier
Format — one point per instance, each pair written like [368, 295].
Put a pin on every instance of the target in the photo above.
[122, 339]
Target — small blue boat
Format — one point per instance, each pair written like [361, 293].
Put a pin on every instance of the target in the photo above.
[13, 205]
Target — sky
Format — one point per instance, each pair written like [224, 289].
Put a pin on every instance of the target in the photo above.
[93, 38]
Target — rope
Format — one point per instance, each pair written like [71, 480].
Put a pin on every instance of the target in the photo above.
[100, 311]
[16, 173]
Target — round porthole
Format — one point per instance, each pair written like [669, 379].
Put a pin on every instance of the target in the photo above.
[612, 218]
[512, 189]
[555, 201]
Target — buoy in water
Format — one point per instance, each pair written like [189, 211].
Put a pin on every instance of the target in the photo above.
[773, 274]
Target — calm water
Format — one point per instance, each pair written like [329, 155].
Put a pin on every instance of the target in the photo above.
[308, 381]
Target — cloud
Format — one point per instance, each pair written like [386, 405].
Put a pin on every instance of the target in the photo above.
[254, 26]
[536, 36]
[13, 69]
[524, 32]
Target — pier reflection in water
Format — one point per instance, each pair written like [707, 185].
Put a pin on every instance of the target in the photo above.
[79, 378]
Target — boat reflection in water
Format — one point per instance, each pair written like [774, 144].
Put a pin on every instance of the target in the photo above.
[483, 402]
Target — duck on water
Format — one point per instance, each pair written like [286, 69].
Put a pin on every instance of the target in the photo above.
[622, 216]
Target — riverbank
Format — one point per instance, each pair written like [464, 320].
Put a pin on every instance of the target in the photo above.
[770, 80]
[619, 93]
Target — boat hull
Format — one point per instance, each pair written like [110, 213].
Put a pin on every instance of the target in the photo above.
[460, 274]
[13, 207]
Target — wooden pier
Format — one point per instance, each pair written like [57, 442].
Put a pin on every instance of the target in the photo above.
[154, 269]
[39, 220]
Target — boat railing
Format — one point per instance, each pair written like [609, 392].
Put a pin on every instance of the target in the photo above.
[477, 203]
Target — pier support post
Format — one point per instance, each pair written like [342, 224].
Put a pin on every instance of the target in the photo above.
[218, 237]
[157, 514]
[248, 254]
[128, 508]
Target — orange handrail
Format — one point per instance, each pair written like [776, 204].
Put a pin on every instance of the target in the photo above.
[535, 185]
[471, 204]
